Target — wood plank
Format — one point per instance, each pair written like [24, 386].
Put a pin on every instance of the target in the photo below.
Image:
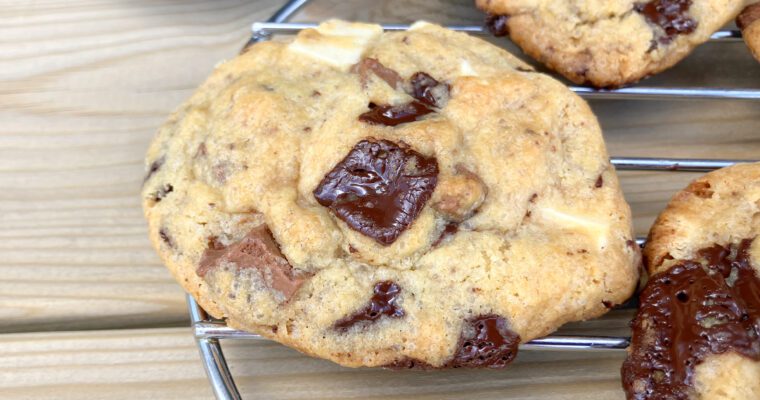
[86, 83]
[164, 363]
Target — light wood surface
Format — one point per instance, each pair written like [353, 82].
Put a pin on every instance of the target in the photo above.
[83, 87]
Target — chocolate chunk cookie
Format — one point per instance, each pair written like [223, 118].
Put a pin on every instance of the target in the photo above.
[749, 22]
[697, 332]
[608, 43]
[405, 199]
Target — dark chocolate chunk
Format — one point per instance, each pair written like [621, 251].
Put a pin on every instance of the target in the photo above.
[164, 234]
[750, 14]
[256, 250]
[383, 302]
[371, 65]
[162, 192]
[670, 15]
[486, 342]
[599, 182]
[154, 167]
[428, 90]
[394, 115]
[710, 305]
[379, 189]
[497, 24]
[450, 229]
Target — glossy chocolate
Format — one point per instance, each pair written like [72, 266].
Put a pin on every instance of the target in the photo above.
[497, 24]
[428, 90]
[486, 342]
[670, 15]
[696, 308]
[379, 189]
[394, 115]
[382, 303]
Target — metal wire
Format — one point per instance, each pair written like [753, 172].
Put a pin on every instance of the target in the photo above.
[209, 331]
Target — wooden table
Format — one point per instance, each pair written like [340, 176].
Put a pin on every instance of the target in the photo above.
[87, 309]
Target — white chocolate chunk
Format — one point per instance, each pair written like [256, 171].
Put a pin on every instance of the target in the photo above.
[596, 229]
[337, 43]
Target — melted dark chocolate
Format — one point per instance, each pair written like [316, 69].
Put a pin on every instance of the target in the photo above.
[450, 229]
[497, 24]
[383, 302]
[379, 189]
[670, 15]
[749, 15]
[394, 115]
[486, 342]
[428, 90]
[696, 308]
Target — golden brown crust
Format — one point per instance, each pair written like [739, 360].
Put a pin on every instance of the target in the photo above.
[749, 22]
[543, 227]
[605, 43]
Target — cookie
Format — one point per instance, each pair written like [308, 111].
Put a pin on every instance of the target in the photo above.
[697, 332]
[749, 22]
[608, 43]
[402, 199]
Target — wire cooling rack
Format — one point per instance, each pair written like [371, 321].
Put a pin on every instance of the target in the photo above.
[208, 331]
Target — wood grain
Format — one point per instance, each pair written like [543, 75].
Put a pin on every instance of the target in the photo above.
[83, 87]
[163, 363]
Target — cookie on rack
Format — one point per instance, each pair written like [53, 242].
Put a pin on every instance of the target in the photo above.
[749, 22]
[608, 43]
[697, 331]
[418, 198]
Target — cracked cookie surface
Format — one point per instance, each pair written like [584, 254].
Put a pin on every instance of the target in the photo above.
[608, 43]
[406, 199]
[697, 332]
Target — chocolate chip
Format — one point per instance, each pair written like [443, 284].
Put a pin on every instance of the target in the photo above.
[670, 15]
[428, 90]
[599, 182]
[394, 115]
[164, 234]
[371, 65]
[379, 188]
[256, 250]
[154, 167]
[608, 304]
[383, 302]
[450, 229]
[162, 192]
[486, 342]
[710, 305]
[497, 24]
[750, 14]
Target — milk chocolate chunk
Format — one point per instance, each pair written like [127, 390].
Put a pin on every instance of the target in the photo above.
[428, 90]
[258, 250]
[389, 115]
[379, 188]
[369, 66]
[670, 15]
[709, 305]
[497, 24]
[459, 196]
[382, 303]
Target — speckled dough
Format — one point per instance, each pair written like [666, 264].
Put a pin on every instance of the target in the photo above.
[749, 22]
[608, 43]
[721, 207]
[526, 221]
